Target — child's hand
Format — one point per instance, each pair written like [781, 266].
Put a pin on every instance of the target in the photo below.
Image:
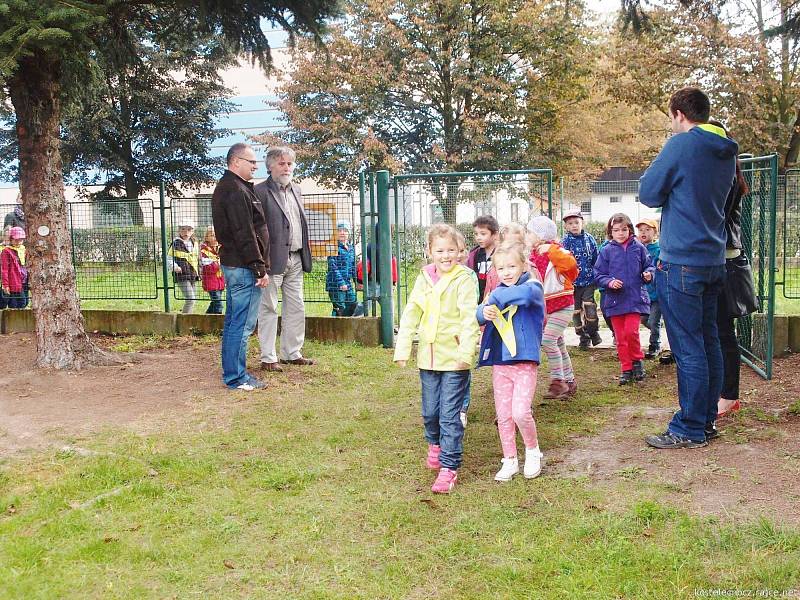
[400, 363]
[647, 276]
[176, 268]
[462, 366]
[343, 287]
[490, 313]
[615, 284]
[543, 248]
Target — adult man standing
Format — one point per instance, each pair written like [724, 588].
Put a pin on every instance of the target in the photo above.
[690, 180]
[289, 257]
[241, 230]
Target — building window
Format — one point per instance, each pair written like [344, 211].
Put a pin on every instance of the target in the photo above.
[515, 212]
[614, 199]
[586, 207]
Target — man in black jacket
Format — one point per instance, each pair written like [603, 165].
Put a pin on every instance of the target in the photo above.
[242, 232]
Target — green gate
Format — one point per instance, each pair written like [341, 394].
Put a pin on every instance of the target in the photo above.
[789, 235]
[411, 203]
[759, 218]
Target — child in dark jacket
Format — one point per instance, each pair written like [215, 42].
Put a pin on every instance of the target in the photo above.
[513, 314]
[622, 268]
[648, 235]
[584, 248]
[341, 279]
[184, 259]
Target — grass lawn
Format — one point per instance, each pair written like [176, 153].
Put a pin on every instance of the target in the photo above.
[315, 488]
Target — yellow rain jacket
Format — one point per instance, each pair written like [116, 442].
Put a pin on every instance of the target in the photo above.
[444, 315]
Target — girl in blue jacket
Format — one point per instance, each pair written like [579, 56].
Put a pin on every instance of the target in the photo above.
[513, 315]
[623, 268]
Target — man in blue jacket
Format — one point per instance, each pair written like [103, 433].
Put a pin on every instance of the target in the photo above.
[690, 180]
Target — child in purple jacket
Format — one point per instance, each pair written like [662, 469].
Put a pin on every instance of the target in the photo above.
[623, 268]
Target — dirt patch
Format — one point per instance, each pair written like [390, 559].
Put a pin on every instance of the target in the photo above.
[39, 408]
[752, 468]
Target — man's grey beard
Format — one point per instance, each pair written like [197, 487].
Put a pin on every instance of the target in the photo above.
[283, 179]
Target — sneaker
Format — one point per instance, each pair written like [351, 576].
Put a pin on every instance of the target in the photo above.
[572, 388]
[596, 339]
[256, 383]
[666, 358]
[463, 417]
[638, 370]
[508, 470]
[432, 462]
[445, 481]
[557, 389]
[652, 352]
[711, 432]
[583, 345]
[626, 377]
[669, 440]
[533, 462]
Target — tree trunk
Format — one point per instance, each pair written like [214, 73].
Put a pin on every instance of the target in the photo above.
[792, 153]
[61, 340]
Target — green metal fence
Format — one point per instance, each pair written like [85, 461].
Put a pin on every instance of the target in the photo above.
[420, 199]
[789, 233]
[759, 218]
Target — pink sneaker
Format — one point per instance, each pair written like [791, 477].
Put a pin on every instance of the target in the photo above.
[445, 481]
[433, 457]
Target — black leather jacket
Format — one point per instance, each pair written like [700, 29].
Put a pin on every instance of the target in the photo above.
[733, 217]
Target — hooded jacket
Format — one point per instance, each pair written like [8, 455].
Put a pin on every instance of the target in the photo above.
[627, 262]
[526, 323]
[690, 179]
[442, 309]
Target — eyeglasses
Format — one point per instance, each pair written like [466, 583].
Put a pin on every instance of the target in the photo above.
[252, 162]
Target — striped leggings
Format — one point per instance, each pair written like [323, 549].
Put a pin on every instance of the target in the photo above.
[553, 344]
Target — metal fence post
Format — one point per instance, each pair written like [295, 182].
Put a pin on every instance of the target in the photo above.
[385, 259]
[162, 215]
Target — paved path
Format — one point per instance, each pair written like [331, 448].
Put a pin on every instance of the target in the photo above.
[644, 335]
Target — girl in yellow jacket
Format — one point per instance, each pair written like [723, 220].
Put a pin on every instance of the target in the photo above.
[441, 309]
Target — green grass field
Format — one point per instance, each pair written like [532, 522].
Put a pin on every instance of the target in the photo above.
[315, 489]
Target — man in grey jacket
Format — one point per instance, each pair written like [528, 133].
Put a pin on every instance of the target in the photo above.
[289, 256]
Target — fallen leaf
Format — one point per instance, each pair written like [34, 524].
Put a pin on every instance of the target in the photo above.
[11, 509]
[136, 527]
[110, 538]
[228, 564]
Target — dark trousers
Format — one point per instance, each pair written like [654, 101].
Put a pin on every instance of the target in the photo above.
[584, 318]
[731, 357]
[344, 303]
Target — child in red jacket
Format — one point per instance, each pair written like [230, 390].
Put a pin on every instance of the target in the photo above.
[14, 274]
[213, 280]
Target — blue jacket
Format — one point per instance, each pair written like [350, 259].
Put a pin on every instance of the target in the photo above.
[628, 264]
[584, 249]
[653, 250]
[690, 180]
[528, 323]
[341, 269]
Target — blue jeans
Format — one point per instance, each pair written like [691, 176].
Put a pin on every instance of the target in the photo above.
[241, 313]
[688, 298]
[442, 399]
[653, 323]
[215, 306]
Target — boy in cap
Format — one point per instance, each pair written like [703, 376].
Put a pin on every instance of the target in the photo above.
[341, 279]
[648, 235]
[584, 248]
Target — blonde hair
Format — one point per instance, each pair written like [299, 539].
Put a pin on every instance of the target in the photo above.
[514, 250]
[442, 230]
[209, 229]
[512, 229]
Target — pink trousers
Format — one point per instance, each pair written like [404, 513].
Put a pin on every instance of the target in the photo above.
[514, 386]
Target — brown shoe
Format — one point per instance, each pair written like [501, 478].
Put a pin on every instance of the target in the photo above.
[271, 367]
[298, 361]
[558, 389]
[572, 388]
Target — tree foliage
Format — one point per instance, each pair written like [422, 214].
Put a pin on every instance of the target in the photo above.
[424, 86]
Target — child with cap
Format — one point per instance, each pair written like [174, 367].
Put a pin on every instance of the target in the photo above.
[558, 269]
[648, 235]
[14, 274]
[584, 248]
[341, 279]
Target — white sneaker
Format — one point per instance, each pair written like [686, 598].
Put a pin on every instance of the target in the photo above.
[463, 416]
[533, 462]
[508, 470]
